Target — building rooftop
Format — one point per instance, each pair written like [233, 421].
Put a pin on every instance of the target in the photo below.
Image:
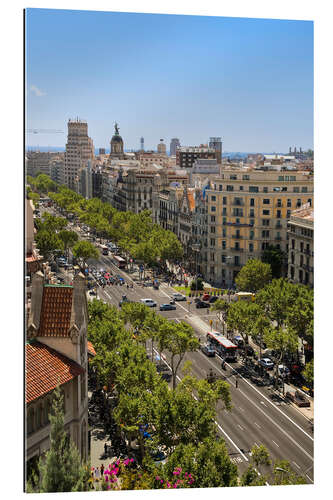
[45, 368]
[56, 311]
[305, 212]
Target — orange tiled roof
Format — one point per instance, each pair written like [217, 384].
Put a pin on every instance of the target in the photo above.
[45, 368]
[56, 311]
[91, 349]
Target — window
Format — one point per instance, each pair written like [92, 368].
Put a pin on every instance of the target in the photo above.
[212, 256]
[220, 187]
[238, 212]
[212, 218]
[224, 211]
[241, 188]
[236, 262]
[224, 220]
[266, 201]
[279, 203]
[233, 177]
[299, 203]
[252, 222]
[265, 234]
[302, 246]
[212, 229]
[223, 258]
[265, 222]
[252, 202]
[284, 189]
[251, 212]
[304, 189]
[237, 221]
[212, 242]
[211, 269]
[230, 188]
[293, 244]
[288, 214]
[253, 189]
[310, 201]
[265, 212]
[293, 177]
[224, 244]
[246, 177]
[251, 235]
[250, 247]
[289, 202]
[224, 233]
[213, 209]
[224, 200]
[213, 198]
[296, 189]
[281, 178]
[278, 214]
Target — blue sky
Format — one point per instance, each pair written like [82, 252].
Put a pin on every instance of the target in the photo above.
[249, 81]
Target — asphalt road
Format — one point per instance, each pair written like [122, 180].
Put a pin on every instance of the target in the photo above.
[257, 416]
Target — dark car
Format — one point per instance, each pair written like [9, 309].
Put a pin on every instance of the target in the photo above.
[202, 305]
[166, 376]
[213, 299]
[249, 350]
[208, 350]
[238, 340]
[167, 307]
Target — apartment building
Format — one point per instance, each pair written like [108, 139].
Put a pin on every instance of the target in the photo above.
[161, 147]
[57, 171]
[300, 248]
[186, 156]
[79, 150]
[149, 158]
[248, 210]
[174, 144]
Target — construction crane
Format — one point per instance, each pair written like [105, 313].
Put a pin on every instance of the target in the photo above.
[44, 131]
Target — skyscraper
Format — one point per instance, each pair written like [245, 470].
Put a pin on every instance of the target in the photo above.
[216, 143]
[142, 144]
[173, 146]
[79, 150]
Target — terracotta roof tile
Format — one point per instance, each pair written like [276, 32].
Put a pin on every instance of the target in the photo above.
[56, 311]
[91, 349]
[45, 368]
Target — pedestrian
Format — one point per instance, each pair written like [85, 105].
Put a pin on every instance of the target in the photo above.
[236, 382]
[105, 449]
[102, 470]
[97, 474]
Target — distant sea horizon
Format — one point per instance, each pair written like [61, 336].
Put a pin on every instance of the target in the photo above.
[225, 154]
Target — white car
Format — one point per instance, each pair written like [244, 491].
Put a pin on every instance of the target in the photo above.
[148, 302]
[178, 296]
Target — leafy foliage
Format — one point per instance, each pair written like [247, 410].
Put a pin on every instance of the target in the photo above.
[253, 276]
[275, 257]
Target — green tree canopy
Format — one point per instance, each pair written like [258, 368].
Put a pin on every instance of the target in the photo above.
[84, 250]
[276, 258]
[253, 276]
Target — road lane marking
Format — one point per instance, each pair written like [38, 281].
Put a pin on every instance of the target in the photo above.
[296, 464]
[261, 402]
[241, 428]
[277, 425]
[256, 445]
[255, 423]
[218, 425]
[241, 409]
[275, 444]
[309, 478]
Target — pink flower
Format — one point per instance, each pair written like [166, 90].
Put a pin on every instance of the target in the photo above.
[106, 479]
[175, 485]
[161, 481]
[157, 478]
[168, 485]
[126, 462]
[131, 460]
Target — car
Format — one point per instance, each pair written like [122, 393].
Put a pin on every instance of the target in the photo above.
[148, 302]
[178, 297]
[283, 371]
[206, 296]
[167, 307]
[266, 363]
[213, 299]
[249, 350]
[166, 376]
[202, 305]
[92, 292]
[207, 349]
[238, 341]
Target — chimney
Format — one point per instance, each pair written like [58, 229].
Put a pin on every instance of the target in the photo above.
[36, 302]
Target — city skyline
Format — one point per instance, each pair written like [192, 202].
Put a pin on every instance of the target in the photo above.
[249, 81]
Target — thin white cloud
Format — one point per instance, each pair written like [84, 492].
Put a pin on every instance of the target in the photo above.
[36, 90]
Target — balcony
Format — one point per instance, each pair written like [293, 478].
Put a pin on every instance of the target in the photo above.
[235, 224]
[278, 225]
[237, 236]
[237, 203]
[278, 238]
[236, 249]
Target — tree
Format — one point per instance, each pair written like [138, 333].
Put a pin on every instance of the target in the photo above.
[275, 257]
[253, 276]
[276, 299]
[282, 340]
[69, 238]
[241, 317]
[44, 184]
[51, 223]
[308, 372]
[197, 284]
[48, 242]
[84, 250]
[300, 313]
[177, 338]
[283, 474]
[221, 307]
[208, 464]
[62, 469]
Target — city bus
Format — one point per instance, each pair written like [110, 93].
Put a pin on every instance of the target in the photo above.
[223, 346]
[105, 250]
[119, 261]
[248, 296]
